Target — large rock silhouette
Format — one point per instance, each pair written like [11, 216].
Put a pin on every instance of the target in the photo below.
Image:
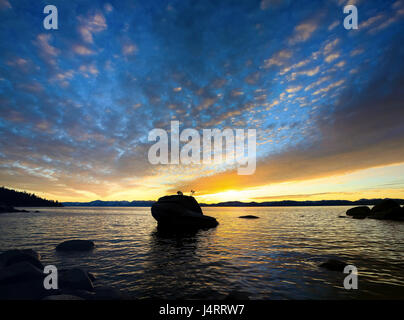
[179, 212]
[387, 209]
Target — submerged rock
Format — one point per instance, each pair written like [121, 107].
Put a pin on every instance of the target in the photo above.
[75, 245]
[180, 212]
[334, 265]
[358, 212]
[249, 217]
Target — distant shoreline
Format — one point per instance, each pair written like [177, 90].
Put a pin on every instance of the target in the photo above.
[283, 203]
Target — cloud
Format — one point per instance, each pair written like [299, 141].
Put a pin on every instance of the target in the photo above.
[333, 25]
[46, 48]
[278, 59]
[360, 131]
[329, 87]
[90, 25]
[303, 31]
[88, 70]
[309, 73]
[293, 89]
[82, 50]
[129, 49]
[332, 57]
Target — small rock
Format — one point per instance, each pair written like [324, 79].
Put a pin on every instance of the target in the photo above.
[334, 265]
[75, 245]
[359, 212]
[249, 217]
[75, 279]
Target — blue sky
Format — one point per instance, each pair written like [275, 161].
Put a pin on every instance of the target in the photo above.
[77, 103]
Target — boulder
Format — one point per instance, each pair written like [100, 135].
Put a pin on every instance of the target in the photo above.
[75, 245]
[187, 202]
[20, 271]
[179, 212]
[334, 265]
[385, 205]
[75, 278]
[11, 257]
[249, 217]
[358, 212]
[387, 209]
[396, 213]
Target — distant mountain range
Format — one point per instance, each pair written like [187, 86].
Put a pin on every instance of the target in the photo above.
[100, 203]
[283, 203]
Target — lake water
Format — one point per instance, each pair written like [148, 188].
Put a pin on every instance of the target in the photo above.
[274, 257]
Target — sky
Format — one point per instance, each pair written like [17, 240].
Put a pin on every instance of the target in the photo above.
[77, 103]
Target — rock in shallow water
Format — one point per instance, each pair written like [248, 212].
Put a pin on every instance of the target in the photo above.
[387, 210]
[22, 281]
[75, 245]
[385, 205]
[11, 257]
[21, 271]
[249, 217]
[180, 212]
[334, 265]
[359, 212]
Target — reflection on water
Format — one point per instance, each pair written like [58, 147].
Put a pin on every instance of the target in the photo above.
[274, 257]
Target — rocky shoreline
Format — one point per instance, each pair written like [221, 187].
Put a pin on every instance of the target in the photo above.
[22, 277]
[10, 209]
[387, 209]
